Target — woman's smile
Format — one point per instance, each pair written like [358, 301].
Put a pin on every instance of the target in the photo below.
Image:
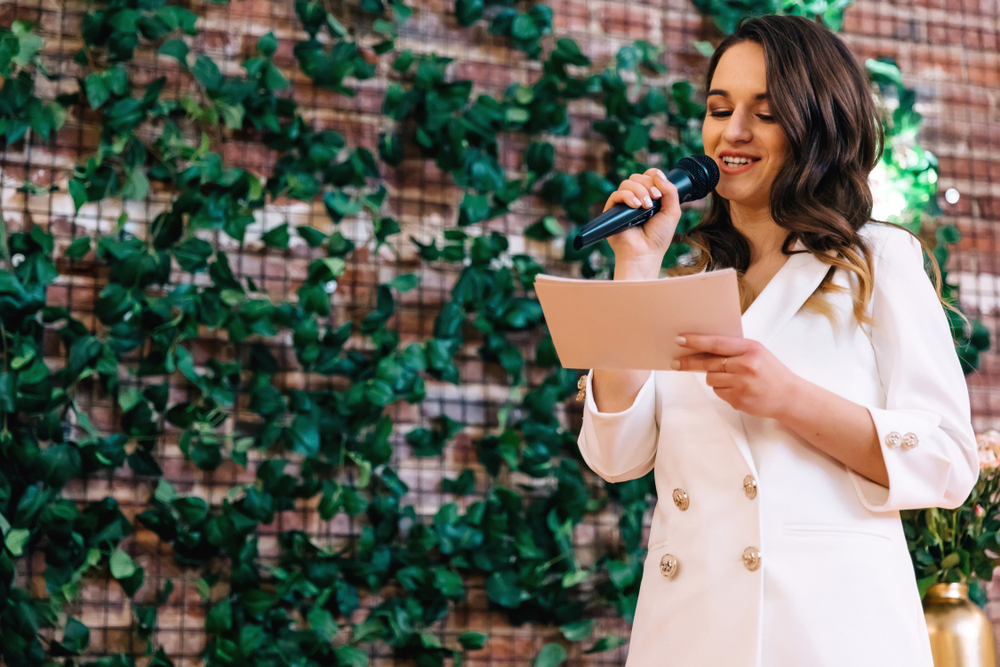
[733, 168]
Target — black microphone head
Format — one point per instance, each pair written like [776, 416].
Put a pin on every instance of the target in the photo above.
[704, 173]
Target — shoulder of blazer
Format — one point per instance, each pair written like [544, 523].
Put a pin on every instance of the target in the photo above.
[886, 239]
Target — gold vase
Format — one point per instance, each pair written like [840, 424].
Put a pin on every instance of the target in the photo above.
[961, 634]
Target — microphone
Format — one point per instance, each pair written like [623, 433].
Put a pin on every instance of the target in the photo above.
[695, 176]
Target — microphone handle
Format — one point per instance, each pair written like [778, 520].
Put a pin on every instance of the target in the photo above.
[622, 216]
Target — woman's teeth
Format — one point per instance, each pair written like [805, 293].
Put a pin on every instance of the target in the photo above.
[735, 161]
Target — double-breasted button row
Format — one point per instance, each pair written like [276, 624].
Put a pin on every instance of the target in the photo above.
[751, 556]
[893, 439]
[683, 501]
[669, 564]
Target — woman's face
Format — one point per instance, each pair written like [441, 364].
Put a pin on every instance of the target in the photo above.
[739, 126]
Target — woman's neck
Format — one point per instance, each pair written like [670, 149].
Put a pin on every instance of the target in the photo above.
[765, 235]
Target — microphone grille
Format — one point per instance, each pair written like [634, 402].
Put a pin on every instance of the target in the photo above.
[704, 174]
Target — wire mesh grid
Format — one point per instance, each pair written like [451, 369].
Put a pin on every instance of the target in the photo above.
[947, 50]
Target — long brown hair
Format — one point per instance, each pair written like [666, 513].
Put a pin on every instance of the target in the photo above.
[822, 99]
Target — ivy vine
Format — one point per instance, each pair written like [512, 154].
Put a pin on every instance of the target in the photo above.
[171, 288]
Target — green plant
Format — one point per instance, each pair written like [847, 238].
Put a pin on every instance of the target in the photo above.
[961, 544]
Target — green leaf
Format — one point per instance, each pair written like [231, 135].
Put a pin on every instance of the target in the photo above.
[550, 656]
[351, 656]
[267, 45]
[468, 11]
[277, 237]
[15, 540]
[207, 73]
[78, 191]
[502, 588]
[97, 92]
[78, 248]
[175, 48]
[472, 641]
[193, 254]
[462, 486]
[606, 644]
[121, 564]
[545, 229]
[704, 48]
[950, 561]
[579, 630]
[405, 282]
[232, 114]
[312, 236]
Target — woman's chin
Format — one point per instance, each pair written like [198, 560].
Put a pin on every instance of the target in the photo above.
[743, 197]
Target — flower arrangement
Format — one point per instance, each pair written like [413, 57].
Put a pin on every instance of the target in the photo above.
[961, 545]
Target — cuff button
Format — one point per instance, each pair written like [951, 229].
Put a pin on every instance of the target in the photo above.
[893, 439]
[910, 441]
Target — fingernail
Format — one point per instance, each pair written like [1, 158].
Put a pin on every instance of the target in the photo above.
[656, 192]
[649, 202]
[661, 174]
[675, 364]
[681, 340]
[636, 202]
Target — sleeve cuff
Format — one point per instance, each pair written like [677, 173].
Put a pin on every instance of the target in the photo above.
[620, 445]
[916, 472]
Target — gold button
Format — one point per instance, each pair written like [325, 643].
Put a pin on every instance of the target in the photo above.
[681, 499]
[750, 487]
[581, 384]
[668, 565]
[910, 441]
[892, 439]
[751, 558]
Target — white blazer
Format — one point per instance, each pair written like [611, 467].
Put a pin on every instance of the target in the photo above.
[764, 551]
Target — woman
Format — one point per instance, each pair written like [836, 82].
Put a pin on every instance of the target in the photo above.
[782, 459]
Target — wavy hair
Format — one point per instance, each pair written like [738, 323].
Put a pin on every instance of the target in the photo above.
[822, 99]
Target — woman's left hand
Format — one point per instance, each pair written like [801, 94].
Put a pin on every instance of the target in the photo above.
[742, 372]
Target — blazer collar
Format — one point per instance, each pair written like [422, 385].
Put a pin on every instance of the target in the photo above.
[773, 308]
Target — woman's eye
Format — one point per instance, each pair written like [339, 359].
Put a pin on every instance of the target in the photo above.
[721, 114]
[765, 117]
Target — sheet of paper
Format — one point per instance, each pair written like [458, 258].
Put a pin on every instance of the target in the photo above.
[632, 324]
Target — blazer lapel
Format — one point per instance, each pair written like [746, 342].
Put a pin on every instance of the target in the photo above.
[781, 298]
[773, 308]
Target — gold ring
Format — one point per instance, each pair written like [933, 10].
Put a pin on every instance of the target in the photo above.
[724, 360]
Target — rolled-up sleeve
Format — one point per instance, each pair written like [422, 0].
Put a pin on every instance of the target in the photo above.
[620, 446]
[925, 429]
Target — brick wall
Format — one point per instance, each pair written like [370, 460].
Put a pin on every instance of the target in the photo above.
[949, 50]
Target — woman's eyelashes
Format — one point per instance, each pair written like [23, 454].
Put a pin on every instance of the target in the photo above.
[726, 114]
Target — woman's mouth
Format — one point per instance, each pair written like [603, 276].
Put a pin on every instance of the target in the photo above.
[736, 165]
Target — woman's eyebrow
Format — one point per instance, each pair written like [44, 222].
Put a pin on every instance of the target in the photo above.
[725, 93]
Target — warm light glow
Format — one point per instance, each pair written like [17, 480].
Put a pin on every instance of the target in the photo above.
[889, 200]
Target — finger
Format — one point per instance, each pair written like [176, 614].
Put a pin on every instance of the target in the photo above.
[728, 394]
[643, 187]
[623, 196]
[659, 178]
[701, 362]
[649, 182]
[638, 190]
[720, 380]
[727, 346]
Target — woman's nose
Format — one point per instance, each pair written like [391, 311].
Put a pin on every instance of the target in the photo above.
[738, 128]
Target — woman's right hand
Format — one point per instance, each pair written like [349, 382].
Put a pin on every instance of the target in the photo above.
[646, 243]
